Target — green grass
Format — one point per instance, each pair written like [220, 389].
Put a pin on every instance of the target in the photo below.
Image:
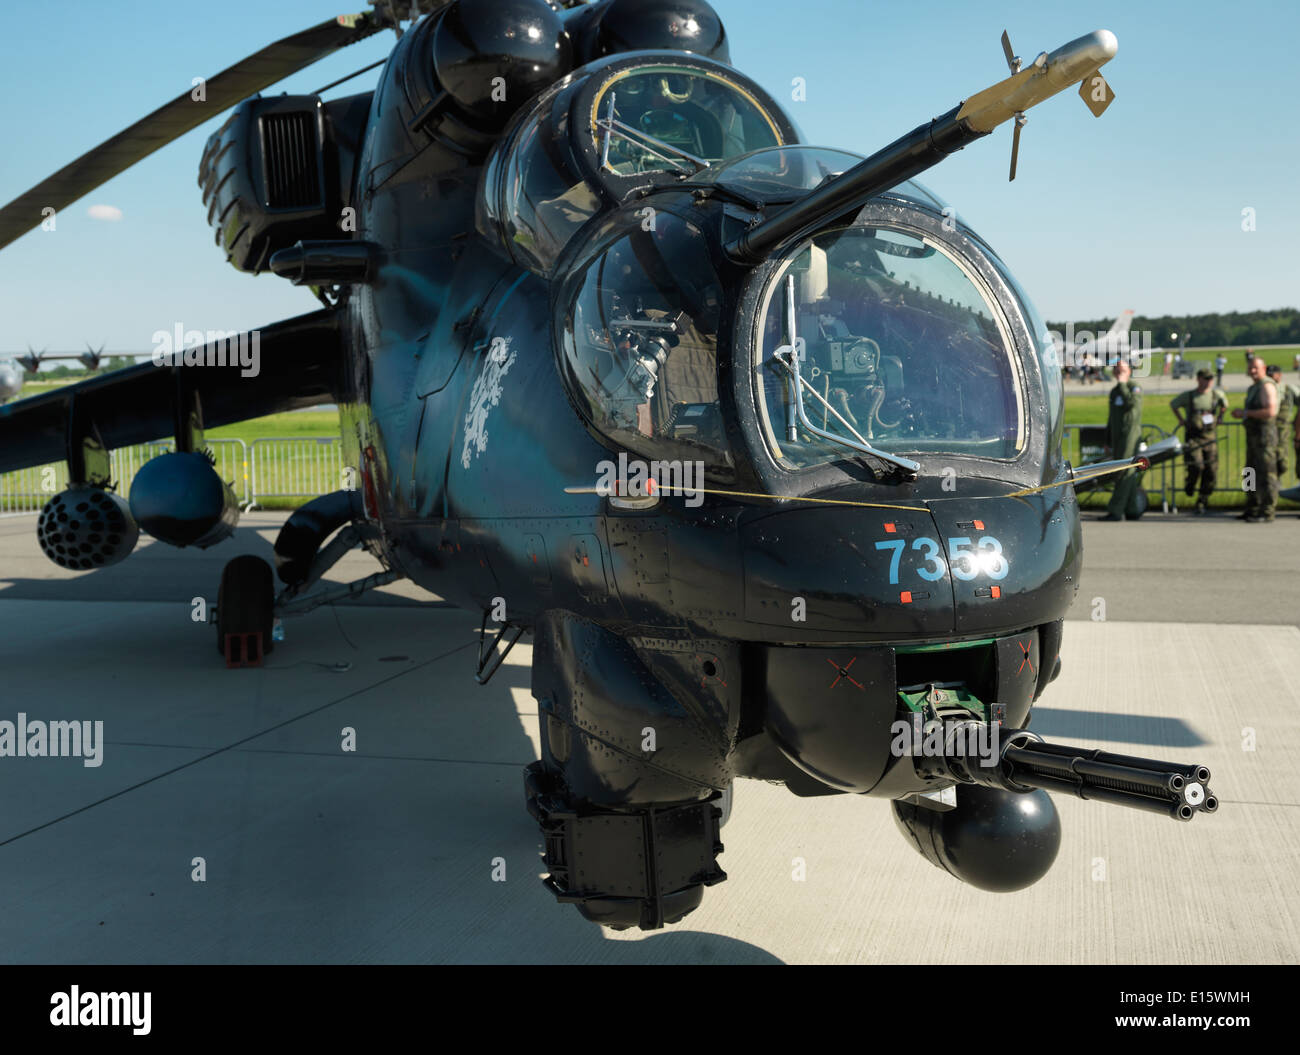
[304, 423]
[1092, 410]
[299, 423]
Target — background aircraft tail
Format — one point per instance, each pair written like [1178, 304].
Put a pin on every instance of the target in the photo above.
[1120, 327]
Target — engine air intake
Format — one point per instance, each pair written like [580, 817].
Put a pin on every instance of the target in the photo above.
[290, 154]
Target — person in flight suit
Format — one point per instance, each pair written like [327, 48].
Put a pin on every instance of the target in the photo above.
[1260, 417]
[1288, 398]
[1123, 430]
[1199, 413]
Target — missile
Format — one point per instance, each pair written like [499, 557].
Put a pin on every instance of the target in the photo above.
[1147, 456]
[926, 145]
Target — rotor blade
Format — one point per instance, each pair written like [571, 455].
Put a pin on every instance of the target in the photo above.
[171, 121]
[1013, 63]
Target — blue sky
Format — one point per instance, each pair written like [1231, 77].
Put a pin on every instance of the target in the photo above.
[1091, 225]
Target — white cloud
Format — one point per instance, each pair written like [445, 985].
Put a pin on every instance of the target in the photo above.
[104, 212]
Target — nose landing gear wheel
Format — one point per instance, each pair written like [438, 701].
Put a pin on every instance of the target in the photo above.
[245, 611]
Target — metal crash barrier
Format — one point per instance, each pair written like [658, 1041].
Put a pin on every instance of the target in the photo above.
[27, 490]
[276, 467]
[1166, 484]
[1082, 444]
[1228, 491]
[295, 467]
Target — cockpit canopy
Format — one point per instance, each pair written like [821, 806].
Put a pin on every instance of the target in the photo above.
[898, 332]
[699, 116]
[900, 346]
[638, 329]
[616, 126]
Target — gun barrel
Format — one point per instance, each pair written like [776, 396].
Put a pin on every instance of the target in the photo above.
[1175, 789]
[927, 145]
[1151, 804]
[924, 146]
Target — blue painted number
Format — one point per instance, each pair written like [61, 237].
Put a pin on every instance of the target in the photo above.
[966, 560]
[896, 544]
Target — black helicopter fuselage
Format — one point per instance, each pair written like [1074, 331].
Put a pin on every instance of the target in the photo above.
[752, 606]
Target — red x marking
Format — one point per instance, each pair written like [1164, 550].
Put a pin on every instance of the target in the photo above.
[843, 672]
[1026, 649]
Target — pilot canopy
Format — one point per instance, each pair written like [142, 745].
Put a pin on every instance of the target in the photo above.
[902, 341]
[617, 126]
[637, 329]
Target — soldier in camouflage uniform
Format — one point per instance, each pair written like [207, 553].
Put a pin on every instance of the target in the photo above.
[1295, 438]
[1260, 416]
[1199, 413]
[1123, 430]
[1288, 398]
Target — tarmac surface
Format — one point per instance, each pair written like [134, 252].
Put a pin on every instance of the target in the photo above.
[387, 853]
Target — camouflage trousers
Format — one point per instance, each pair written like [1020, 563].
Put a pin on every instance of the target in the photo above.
[1201, 457]
[1262, 458]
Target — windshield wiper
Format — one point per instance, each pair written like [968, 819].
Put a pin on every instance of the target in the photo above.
[611, 126]
[788, 356]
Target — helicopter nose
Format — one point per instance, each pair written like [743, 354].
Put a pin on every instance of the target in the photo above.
[955, 565]
[877, 573]
[1014, 560]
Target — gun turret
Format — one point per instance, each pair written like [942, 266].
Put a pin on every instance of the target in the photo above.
[1025, 762]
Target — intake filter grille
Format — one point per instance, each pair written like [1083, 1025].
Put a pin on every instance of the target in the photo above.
[290, 155]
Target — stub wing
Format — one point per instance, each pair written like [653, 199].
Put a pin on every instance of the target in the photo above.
[286, 366]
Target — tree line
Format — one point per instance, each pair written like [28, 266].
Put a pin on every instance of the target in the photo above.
[1219, 330]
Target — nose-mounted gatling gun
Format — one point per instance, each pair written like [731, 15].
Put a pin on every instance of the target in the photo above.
[1006, 832]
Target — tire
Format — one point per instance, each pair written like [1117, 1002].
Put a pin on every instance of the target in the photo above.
[246, 601]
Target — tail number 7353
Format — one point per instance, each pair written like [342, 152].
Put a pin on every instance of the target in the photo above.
[968, 559]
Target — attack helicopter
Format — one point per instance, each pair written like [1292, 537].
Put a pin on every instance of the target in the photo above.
[758, 441]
